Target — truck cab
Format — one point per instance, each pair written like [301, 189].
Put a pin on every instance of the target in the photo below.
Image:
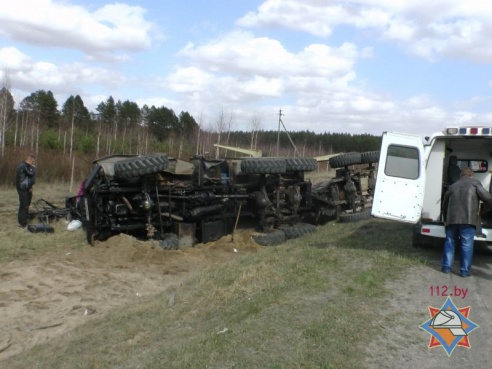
[415, 172]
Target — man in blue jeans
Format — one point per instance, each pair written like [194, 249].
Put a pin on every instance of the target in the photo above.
[460, 212]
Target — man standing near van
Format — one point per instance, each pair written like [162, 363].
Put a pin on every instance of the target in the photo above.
[24, 181]
[460, 212]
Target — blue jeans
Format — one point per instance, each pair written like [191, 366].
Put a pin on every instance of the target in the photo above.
[464, 234]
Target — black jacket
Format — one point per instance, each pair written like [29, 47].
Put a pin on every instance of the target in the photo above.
[461, 201]
[26, 177]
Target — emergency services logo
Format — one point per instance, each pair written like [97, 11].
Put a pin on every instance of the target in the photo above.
[449, 326]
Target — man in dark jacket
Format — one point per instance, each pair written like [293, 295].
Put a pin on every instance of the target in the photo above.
[460, 211]
[24, 181]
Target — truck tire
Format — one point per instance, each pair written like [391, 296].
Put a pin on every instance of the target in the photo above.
[297, 230]
[344, 160]
[140, 166]
[301, 164]
[417, 240]
[91, 235]
[263, 166]
[369, 157]
[355, 217]
[273, 238]
[170, 241]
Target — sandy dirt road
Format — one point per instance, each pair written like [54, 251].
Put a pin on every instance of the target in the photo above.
[51, 295]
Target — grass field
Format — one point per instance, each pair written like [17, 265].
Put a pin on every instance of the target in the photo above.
[308, 303]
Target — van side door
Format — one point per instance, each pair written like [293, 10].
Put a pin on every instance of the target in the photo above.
[400, 181]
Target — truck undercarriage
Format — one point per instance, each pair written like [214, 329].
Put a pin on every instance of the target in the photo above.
[182, 203]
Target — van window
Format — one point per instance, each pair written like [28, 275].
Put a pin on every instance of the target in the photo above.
[478, 166]
[402, 161]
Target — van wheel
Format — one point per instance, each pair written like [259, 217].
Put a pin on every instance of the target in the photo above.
[344, 160]
[420, 241]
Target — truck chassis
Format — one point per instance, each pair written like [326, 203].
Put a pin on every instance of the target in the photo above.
[182, 203]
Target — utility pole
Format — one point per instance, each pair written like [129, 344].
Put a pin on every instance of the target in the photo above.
[278, 132]
[285, 129]
[71, 131]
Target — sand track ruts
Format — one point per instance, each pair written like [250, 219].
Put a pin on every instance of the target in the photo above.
[51, 295]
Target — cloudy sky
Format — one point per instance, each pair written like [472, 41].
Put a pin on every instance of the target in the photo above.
[355, 66]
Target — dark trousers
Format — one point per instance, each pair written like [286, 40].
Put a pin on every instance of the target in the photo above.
[25, 197]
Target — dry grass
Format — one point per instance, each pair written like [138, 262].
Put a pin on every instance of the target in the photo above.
[53, 166]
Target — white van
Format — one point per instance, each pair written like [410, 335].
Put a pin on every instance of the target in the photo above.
[415, 172]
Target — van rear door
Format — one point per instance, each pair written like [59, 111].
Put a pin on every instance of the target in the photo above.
[400, 182]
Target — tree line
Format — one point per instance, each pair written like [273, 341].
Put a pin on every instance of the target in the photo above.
[123, 127]
[114, 126]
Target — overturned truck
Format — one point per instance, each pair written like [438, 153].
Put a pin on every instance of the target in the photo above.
[181, 203]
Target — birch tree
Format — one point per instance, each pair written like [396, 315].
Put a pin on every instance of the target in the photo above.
[107, 121]
[6, 114]
[255, 128]
[219, 126]
[76, 114]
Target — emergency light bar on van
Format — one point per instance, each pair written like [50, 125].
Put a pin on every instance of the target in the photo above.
[468, 131]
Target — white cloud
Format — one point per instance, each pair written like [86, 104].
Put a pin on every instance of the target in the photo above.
[13, 59]
[110, 29]
[316, 87]
[317, 80]
[61, 78]
[26, 75]
[240, 66]
[464, 117]
[188, 79]
[429, 29]
[240, 52]
[293, 14]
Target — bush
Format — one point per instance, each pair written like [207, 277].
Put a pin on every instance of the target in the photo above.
[86, 144]
[49, 139]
